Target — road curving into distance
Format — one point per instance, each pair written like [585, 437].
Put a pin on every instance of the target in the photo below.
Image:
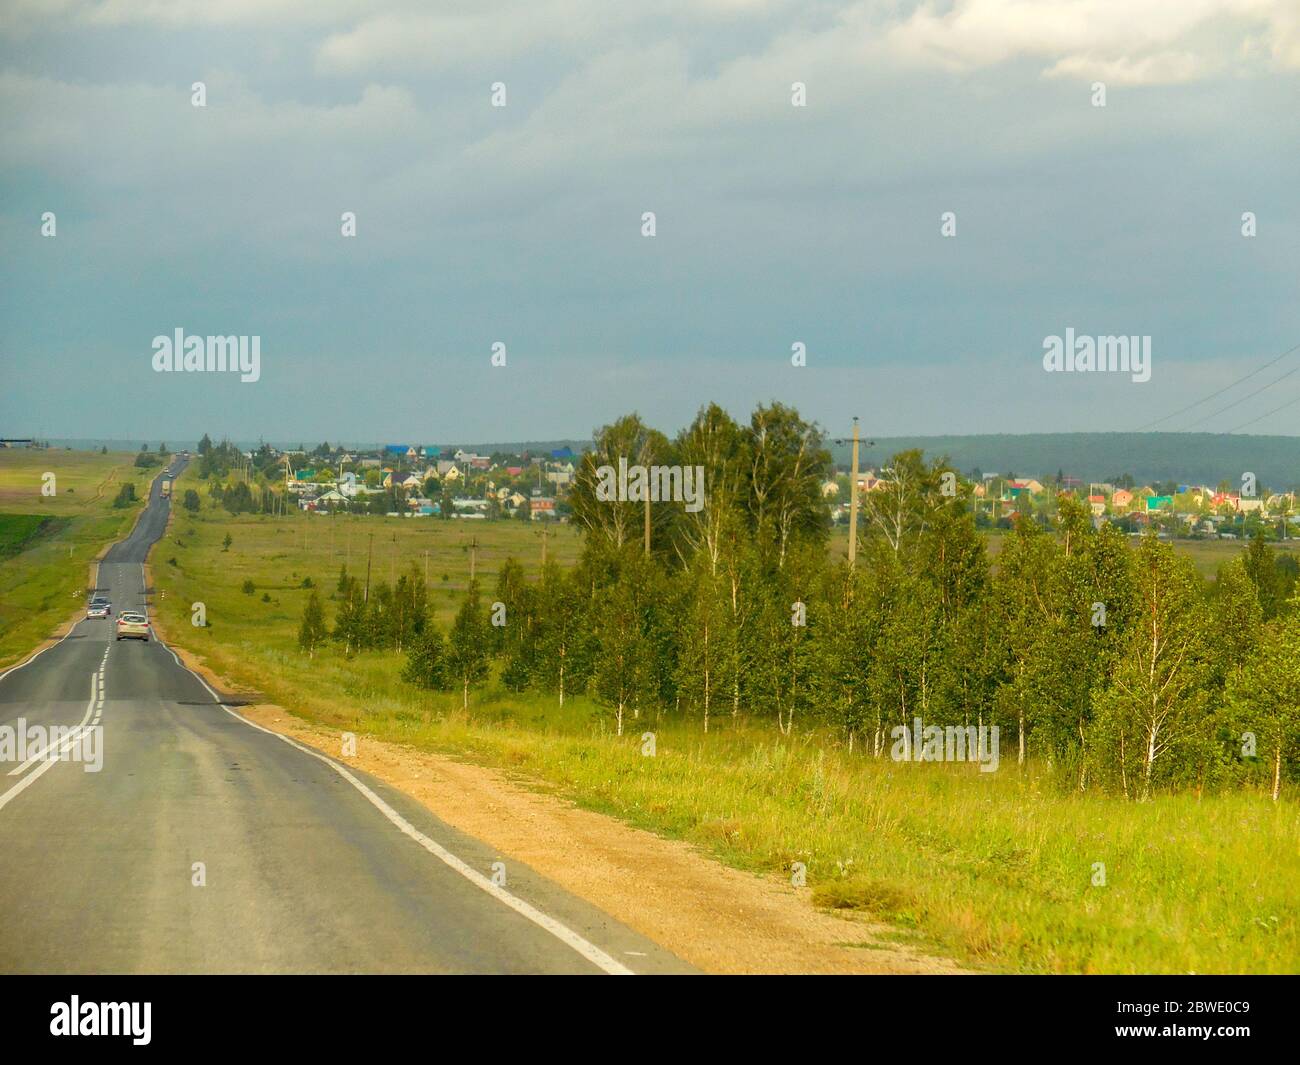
[307, 865]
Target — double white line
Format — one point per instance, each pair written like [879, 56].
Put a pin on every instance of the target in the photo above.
[51, 752]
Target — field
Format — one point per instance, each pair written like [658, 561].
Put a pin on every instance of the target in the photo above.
[1000, 871]
[47, 541]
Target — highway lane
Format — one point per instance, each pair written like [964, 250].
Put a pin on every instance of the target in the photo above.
[303, 869]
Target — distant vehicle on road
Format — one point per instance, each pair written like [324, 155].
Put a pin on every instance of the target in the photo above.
[132, 625]
[166, 489]
[99, 607]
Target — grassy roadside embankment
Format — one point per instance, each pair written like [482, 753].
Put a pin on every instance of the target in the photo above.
[47, 542]
[996, 870]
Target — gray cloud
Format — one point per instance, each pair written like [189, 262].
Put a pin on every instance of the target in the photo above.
[521, 224]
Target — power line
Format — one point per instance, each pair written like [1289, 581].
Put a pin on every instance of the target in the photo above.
[1288, 403]
[1219, 392]
[1243, 399]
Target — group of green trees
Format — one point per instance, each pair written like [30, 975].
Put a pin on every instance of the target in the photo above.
[1116, 665]
[396, 617]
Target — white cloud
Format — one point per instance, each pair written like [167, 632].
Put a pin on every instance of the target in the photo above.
[1161, 68]
[1129, 41]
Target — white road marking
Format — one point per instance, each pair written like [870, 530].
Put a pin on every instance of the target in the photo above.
[26, 782]
[66, 742]
[561, 932]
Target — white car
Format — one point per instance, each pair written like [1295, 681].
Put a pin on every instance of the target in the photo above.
[99, 607]
[132, 625]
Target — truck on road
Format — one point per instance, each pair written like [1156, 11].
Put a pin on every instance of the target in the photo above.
[166, 489]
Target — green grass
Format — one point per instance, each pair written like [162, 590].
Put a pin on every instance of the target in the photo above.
[18, 531]
[48, 541]
[995, 870]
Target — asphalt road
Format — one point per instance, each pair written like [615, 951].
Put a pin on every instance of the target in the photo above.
[304, 868]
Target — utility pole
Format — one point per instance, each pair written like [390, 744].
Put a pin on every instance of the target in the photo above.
[853, 499]
[544, 531]
[370, 550]
[473, 558]
[426, 567]
[853, 493]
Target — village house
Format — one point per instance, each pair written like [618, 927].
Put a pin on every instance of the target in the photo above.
[560, 475]
[303, 481]
[329, 499]
[350, 488]
[869, 482]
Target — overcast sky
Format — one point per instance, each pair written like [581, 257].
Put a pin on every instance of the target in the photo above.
[522, 224]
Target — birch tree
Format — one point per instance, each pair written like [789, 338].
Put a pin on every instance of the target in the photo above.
[467, 645]
[1266, 695]
[1157, 695]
